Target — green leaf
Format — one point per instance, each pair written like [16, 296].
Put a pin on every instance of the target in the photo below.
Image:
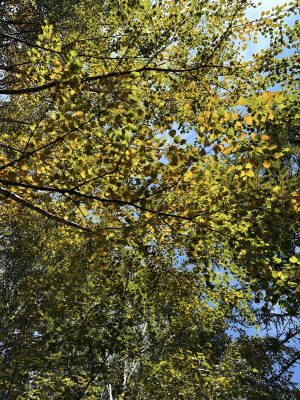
[221, 111]
[74, 53]
[79, 63]
[135, 75]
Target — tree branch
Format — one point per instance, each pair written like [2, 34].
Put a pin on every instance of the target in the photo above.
[29, 90]
[47, 214]
[28, 43]
[12, 68]
[110, 75]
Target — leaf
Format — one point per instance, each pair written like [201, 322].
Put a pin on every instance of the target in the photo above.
[291, 310]
[265, 138]
[221, 111]
[74, 53]
[267, 164]
[293, 97]
[248, 120]
[253, 272]
[293, 259]
[79, 63]
[200, 119]
[249, 173]
[275, 274]
[241, 102]
[134, 74]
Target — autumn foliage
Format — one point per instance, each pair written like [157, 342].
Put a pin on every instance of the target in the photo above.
[143, 197]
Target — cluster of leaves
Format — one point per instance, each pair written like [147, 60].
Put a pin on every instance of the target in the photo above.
[160, 162]
[120, 324]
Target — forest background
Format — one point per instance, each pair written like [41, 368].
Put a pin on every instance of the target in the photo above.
[149, 186]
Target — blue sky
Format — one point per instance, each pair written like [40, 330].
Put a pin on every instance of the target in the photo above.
[255, 13]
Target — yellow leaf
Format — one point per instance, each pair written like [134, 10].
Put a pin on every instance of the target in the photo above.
[150, 228]
[248, 120]
[238, 125]
[296, 193]
[277, 189]
[200, 119]
[250, 173]
[241, 101]
[227, 150]
[267, 164]
[265, 138]
[275, 274]
[79, 114]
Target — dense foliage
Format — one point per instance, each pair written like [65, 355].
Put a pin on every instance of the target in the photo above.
[149, 194]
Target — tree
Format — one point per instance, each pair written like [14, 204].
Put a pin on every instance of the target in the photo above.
[97, 107]
[281, 324]
[120, 326]
[93, 135]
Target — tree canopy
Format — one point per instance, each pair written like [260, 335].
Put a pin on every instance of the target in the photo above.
[145, 165]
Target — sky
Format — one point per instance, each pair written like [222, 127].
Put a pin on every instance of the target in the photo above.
[254, 14]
